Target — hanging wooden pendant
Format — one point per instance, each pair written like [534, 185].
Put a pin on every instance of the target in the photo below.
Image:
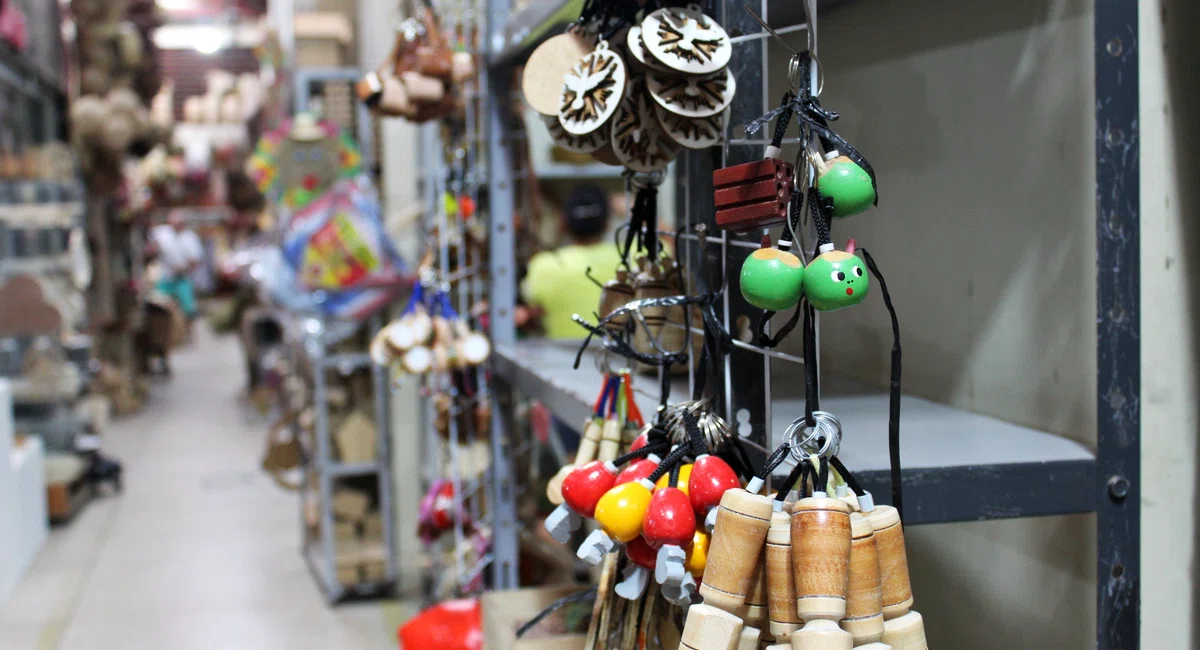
[542, 78]
[637, 50]
[691, 133]
[686, 40]
[692, 96]
[638, 140]
[586, 143]
[592, 90]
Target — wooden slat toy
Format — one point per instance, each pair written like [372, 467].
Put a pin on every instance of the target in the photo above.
[753, 195]
[738, 541]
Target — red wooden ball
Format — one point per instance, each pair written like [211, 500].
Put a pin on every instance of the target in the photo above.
[641, 441]
[637, 470]
[670, 520]
[711, 477]
[584, 486]
[640, 553]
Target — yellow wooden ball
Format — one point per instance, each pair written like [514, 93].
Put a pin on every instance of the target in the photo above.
[622, 509]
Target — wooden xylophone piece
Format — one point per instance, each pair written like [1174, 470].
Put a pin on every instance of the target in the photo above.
[733, 553]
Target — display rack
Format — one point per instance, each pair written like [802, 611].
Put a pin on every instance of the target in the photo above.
[989, 475]
[316, 336]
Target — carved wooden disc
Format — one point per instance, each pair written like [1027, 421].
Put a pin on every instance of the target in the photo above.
[686, 40]
[692, 132]
[638, 140]
[586, 143]
[592, 90]
[692, 96]
[542, 79]
[637, 50]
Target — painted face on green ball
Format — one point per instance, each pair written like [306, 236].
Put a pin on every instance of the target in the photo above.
[772, 279]
[835, 280]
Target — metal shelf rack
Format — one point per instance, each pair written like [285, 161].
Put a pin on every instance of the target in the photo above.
[1053, 475]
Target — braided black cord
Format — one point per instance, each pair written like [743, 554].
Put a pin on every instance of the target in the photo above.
[642, 453]
[893, 390]
[851, 482]
[668, 463]
[789, 483]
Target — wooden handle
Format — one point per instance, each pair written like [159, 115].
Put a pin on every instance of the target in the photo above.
[781, 584]
[589, 444]
[749, 638]
[864, 598]
[737, 543]
[906, 632]
[756, 598]
[820, 634]
[821, 557]
[893, 561]
[709, 628]
[610, 440]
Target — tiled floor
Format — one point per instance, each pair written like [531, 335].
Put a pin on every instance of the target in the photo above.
[200, 551]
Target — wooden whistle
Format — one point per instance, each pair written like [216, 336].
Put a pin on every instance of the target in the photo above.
[821, 558]
[781, 584]
[905, 632]
[756, 598]
[893, 561]
[610, 440]
[864, 598]
[737, 543]
[589, 444]
[709, 628]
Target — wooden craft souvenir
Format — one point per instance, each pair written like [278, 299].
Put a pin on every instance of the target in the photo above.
[772, 279]
[686, 40]
[733, 553]
[542, 78]
[844, 184]
[586, 143]
[821, 540]
[692, 96]
[638, 140]
[836, 279]
[864, 597]
[656, 281]
[903, 628]
[613, 295]
[756, 599]
[754, 194]
[637, 50]
[592, 90]
[710, 628]
[781, 583]
[750, 638]
[691, 133]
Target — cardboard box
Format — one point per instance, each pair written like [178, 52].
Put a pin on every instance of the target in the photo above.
[322, 39]
[505, 611]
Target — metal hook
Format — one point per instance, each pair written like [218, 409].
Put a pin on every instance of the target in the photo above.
[596, 282]
[771, 31]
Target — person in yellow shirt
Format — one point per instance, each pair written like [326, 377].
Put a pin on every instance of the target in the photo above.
[556, 281]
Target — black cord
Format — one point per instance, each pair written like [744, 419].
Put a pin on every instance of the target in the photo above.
[773, 461]
[554, 607]
[674, 480]
[642, 453]
[851, 482]
[822, 476]
[668, 463]
[812, 381]
[893, 389]
[789, 483]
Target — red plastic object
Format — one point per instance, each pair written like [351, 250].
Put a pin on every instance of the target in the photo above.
[452, 625]
[584, 486]
[641, 441]
[711, 477]
[640, 553]
[637, 470]
[670, 520]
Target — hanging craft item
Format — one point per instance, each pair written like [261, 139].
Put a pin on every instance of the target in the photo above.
[548, 65]
[592, 90]
[586, 143]
[637, 138]
[836, 279]
[772, 279]
[692, 96]
[637, 50]
[689, 133]
[429, 336]
[299, 161]
[686, 40]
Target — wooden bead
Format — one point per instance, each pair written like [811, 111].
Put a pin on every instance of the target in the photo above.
[781, 584]
[821, 557]
[737, 542]
[905, 632]
[750, 638]
[820, 634]
[893, 561]
[709, 628]
[864, 598]
[756, 598]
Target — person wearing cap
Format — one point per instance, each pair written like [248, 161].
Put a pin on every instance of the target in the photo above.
[556, 281]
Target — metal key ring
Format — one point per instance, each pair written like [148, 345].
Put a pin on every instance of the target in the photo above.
[828, 429]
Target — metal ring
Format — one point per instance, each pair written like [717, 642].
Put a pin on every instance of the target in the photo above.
[827, 424]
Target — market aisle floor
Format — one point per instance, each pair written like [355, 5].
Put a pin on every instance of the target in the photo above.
[200, 551]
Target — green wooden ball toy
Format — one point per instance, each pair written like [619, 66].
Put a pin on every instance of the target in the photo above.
[847, 184]
[772, 279]
[836, 279]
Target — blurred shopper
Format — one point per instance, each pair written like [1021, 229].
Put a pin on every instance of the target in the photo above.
[556, 281]
[180, 252]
